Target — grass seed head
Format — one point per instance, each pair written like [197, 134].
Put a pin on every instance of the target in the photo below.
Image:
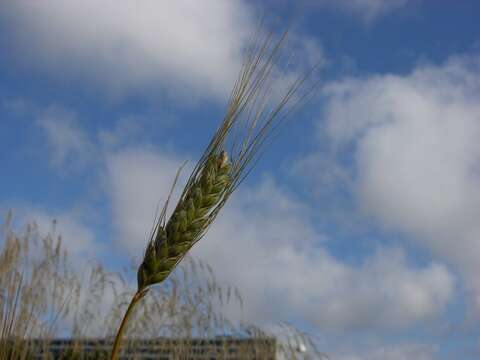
[188, 222]
[229, 157]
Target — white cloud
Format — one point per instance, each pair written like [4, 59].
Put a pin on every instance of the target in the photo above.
[366, 10]
[138, 181]
[129, 45]
[69, 144]
[416, 157]
[127, 129]
[264, 243]
[186, 47]
[371, 9]
[273, 253]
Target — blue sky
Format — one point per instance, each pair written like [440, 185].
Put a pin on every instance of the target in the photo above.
[359, 225]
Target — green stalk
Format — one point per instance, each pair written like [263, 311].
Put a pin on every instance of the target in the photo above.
[118, 338]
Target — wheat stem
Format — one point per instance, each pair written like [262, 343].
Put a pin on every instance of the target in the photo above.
[118, 338]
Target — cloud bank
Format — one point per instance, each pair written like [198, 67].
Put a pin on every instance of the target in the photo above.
[123, 46]
[264, 243]
[416, 157]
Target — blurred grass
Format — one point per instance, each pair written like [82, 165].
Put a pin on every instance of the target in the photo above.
[44, 297]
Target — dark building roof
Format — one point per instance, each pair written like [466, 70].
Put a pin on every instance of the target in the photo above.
[228, 348]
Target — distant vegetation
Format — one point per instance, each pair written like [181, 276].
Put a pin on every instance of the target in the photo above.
[44, 296]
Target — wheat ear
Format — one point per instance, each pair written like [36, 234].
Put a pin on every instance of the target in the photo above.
[248, 123]
[188, 221]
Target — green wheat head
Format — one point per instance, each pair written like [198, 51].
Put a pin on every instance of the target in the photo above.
[250, 120]
[188, 222]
